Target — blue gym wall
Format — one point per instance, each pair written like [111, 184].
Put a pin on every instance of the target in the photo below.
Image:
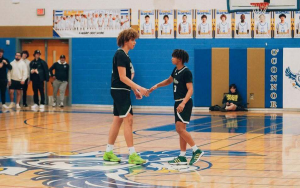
[92, 66]
[9, 53]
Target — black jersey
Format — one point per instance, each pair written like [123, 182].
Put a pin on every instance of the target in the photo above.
[180, 79]
[121, 59]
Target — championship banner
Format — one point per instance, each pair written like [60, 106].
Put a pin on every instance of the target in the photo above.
[291, 78]
[90, 23]
[242, 25]
[273, 78]
[283, 22]
[184, 24]
[204, 24]
[223, 21]
[165, 23]
[147, 23]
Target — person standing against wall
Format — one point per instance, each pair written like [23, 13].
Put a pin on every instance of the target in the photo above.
[61, 80]
[39, 73]
[16, 79]
[4, 64]
[25, 55]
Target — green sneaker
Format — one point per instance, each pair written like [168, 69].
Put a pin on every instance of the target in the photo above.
[110, 156]
[135, 159]
[196, 156]
[180, 160]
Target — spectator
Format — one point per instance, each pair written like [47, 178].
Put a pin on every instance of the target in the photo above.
[61, 79]
[25, 55]
[232, 100]
[39, 73]
[4, 64]
[16, 79]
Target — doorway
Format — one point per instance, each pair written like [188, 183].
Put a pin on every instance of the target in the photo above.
[51, 50]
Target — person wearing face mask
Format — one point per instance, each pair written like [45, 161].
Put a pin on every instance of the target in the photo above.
[16, 79]
[4, 64]
[61, 80]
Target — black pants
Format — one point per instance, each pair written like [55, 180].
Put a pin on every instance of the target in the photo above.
[25, 87]
[3, 86]
[38, 86]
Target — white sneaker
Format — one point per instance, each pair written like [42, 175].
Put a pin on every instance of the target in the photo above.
[18, 106]
[42, 106]
[34, 106]
[61, 104]
[12, 104]
[4, 106]
[54, 104]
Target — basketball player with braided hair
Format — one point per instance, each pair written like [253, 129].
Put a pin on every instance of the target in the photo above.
[182, 80]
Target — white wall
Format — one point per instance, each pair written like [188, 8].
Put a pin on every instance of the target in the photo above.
[24, 13]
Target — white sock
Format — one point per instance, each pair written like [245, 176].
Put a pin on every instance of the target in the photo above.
[194, 148]
[182, 153]
[109, 148]
[131, 150]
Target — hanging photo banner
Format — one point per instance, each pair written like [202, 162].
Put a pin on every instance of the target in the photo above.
[165, 23]
[147, 23]
[90, 23]
[204, 24]
[184, 24]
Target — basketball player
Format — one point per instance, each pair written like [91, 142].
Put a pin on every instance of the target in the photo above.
[242, 27]
[95, 21]
[223, 27]
[77, 22]
[263, 28]
[184, 27]
[118, 22]
[127, 22]
[100, 21]
[110, 22]
[89, 21]
[282, 27]
[121, 84]
[105, 22]
[147, 28]
[183, 90]
[166, 27]
[203, 28]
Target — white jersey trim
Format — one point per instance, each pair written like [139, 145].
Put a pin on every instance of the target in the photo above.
[124, 116]
[186, 122]
[120, 88]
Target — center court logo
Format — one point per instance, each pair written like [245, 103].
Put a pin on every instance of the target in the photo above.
[89, 169]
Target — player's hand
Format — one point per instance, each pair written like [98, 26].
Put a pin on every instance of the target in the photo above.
[231, 104]
[32, 71]
[4, 61]
[138, 95]
[36, 71]
[153, 88]
[22, 82]
[9, 83]
[143, 91]
[227, 104]
[180, 107]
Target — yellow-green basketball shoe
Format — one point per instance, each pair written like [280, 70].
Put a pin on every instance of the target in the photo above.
[180, 160]
[110, 156]
[196, 156]
[135, 159]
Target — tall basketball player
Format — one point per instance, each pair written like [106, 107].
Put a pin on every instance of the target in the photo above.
[184, 27]
[121, 84]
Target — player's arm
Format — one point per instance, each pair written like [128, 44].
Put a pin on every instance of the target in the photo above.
[162, 84]
[218, 29]
[142, 30]
[130, 83]
[179, 28]
[187, 97]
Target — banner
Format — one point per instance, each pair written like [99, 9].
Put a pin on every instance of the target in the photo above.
[165, 23]
[283, 24]
[297, 24]
[184, 24]
[90, 23]
[147, 23]
[262, 25]
[204, 24]
[223, 21]
[242, 25]
[291, 78]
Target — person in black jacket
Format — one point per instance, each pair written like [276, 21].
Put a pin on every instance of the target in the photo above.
[4, 64]
[232, 100]
[39, 73]
[61, 79]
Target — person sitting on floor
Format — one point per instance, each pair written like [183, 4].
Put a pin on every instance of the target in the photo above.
[232, 100]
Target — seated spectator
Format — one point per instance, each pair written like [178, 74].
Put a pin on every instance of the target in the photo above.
[232, 100]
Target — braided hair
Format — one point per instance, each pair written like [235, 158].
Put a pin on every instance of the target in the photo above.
[181, 54]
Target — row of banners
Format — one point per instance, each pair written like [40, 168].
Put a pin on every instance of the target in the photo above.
[177, 23]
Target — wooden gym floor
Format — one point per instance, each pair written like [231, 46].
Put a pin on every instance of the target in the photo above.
[63, 148]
